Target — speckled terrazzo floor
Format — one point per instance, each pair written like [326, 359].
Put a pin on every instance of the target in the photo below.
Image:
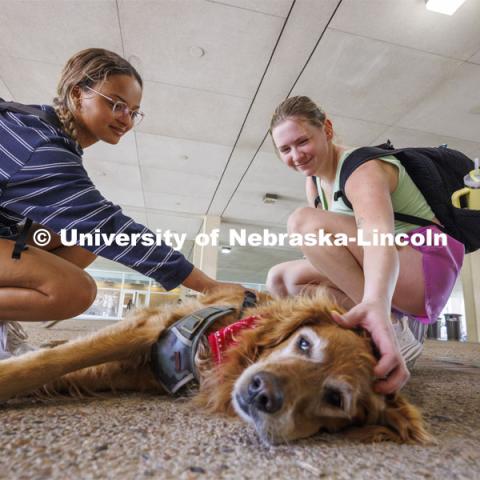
[133, 436]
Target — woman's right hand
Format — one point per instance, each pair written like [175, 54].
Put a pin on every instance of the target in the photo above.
[390, 370]
[201, 282]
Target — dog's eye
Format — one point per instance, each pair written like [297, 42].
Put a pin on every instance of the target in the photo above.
[333, 397]
[303, 344]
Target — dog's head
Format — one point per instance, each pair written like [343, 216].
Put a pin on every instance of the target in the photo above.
[298, 373]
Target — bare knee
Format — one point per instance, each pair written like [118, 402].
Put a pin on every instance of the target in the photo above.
[276, 281]
[89, 291]
[304, 220]
[85, 293]
[73, 297]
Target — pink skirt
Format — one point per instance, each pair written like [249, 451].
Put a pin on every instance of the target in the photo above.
[441, 267]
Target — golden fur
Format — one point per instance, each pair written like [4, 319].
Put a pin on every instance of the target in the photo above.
[318, 375]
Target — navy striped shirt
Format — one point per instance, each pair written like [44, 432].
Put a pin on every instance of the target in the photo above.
[42, 178]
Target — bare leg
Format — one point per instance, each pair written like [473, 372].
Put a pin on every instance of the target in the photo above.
[343, 265]
[42, 286]
[79, 256]
[300, 277]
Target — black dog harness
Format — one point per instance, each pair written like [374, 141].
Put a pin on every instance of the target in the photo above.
[173, 355]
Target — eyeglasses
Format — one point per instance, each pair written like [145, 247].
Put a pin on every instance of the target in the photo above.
[121, 108]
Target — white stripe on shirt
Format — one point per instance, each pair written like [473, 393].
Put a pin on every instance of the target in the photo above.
[19, 139]
[11, 156]
[86, 217]
[23, 197]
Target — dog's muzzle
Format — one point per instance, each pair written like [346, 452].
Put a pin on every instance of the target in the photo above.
[263, 393]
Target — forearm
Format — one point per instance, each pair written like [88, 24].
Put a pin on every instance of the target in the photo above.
[199, 281]
[380, 267]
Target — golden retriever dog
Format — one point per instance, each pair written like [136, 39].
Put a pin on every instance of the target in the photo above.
[293, 374]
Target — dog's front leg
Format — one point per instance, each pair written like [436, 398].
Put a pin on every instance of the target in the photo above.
[125, 339]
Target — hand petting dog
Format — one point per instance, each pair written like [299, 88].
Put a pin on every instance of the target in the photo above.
[391, 371]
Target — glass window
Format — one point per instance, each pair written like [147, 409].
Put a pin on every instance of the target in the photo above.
[105, 304]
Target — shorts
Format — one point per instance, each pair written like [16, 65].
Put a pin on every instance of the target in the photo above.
[441, 267]
[8, 233]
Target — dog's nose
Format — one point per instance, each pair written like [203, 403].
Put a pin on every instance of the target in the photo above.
[265, 392]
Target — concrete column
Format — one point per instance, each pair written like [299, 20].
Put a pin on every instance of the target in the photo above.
[470, 276]
[205, 257]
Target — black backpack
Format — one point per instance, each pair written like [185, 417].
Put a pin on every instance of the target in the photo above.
[437, 172]
[15, 107]
[50, 118]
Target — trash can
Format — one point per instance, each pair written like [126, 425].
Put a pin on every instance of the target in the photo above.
[433, 330]
[453, 325]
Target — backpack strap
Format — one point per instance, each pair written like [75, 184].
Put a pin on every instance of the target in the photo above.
[317, 198]
[50, 118]
[20, 242]
[363, 155]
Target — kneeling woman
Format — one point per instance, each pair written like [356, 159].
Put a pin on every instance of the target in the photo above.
[43, 180]
[371, 281]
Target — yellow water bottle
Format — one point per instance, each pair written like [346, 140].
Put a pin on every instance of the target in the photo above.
[471, 191]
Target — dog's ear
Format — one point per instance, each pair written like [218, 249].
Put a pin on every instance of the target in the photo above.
[405, 420]
[397, 420]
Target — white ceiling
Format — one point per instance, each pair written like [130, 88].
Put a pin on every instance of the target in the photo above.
[381, 69]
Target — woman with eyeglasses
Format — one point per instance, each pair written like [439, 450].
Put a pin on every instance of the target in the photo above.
[42, 179]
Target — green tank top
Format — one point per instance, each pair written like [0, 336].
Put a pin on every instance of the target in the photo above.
[406, 198]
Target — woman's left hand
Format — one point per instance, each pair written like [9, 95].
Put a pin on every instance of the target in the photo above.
[375, 318]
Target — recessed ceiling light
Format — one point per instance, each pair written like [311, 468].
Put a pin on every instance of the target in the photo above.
[197, 52]
[225, 249]
[270, 198]
[447, 7]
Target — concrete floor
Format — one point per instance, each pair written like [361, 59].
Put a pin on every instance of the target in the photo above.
[143, 436]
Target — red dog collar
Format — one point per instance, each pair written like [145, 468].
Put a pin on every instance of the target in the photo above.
[225, 337]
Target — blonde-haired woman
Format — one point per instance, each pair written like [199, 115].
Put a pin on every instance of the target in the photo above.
[43, 180]
[372, 281]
